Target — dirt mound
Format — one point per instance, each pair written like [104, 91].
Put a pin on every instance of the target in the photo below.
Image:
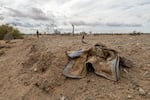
[42, 69]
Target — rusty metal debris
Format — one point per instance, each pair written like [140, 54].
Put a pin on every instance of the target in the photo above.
[98, 59]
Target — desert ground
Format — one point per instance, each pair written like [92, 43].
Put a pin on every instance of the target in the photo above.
[31, 69]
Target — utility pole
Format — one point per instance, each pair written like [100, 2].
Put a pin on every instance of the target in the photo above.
[73, 29]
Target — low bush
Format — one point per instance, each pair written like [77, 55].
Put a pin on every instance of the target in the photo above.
[8, 32]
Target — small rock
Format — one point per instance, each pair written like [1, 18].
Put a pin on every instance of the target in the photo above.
[125, 71]
[137, 44]
[68, 98]
[120, 88]
[141, 91]
[88, 81]
[148, 65]
[35, 69]
[130, 38]
[129, 97]
[92, 80]
[148, 95]
[62, 98]
[26, 84]
[134, 84]
[146, 74]
[47, 89]
[88, 98]
[81, 87]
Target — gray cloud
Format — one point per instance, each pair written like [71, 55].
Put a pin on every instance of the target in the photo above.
[15, 13]
[21, 24]
[33, 13]
[83, 23]
[145, 3]
[116, 15]
[38, 14]
[1, 17]
[16, 23]
[37, 11]
[123, 25]
[78, 23]
[25, 24]
[114, 24]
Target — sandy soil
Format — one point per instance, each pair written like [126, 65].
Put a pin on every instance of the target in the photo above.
[31, 69]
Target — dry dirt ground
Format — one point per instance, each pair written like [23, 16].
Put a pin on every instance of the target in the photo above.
[31, 69]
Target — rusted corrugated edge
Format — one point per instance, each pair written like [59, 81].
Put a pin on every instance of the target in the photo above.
[67, 69]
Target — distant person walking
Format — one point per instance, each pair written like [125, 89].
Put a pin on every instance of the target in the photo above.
[82, 38]
[37, 34]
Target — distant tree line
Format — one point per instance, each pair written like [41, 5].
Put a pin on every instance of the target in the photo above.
[135, 33]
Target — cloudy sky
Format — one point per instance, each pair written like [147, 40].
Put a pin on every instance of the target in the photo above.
[86, 15]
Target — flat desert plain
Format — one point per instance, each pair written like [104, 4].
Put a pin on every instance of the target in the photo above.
[31, 69]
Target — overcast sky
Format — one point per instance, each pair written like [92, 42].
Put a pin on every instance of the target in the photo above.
[86, 15]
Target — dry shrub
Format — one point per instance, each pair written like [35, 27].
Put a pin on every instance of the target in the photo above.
[8, 32]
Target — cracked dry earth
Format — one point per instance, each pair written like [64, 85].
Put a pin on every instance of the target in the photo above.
[31, 69]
